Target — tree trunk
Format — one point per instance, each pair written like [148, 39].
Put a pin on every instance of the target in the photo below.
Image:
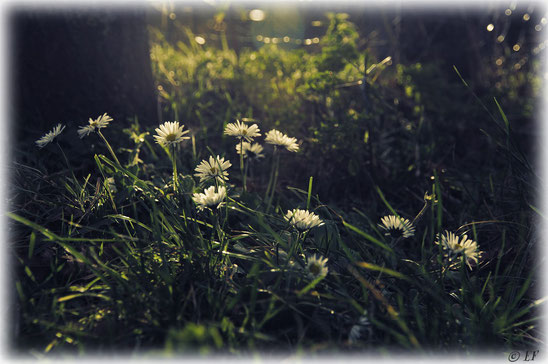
[70, 65]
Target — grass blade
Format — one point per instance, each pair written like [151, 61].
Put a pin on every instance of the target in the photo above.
[368, 237]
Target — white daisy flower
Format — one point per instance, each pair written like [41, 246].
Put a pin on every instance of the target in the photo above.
[48, 138]
[170, 133]
[210, 198]
[397, 226]
[242, 131]
[101, 122]
[252, 151]
[303, 220]
[215, 168]
[359, 329]
[455, 245]
[276, 137]
[316, 266]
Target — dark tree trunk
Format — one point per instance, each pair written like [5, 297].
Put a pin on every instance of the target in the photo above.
[69, 65]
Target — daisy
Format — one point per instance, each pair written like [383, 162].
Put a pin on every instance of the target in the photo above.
[455, 245]
[48, 138]
[358, 330]
[316, 266]
[303, 220]
[170, 133]
[396, 226]
[101, 122]
[210, 198]
[242, 131]
[252, 151]
[278, 138]
[215, 168]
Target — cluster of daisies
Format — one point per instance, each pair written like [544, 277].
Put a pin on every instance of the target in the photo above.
[215, 168]
[454, 246]
[170, 134]
[93, 126]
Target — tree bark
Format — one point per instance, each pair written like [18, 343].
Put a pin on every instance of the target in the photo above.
[70, 65]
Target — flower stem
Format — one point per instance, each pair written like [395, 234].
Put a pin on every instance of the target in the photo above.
[246, 168]
[293, 248]
[174, 160]
[109, 147]
[269, 186]
[68, 165]
[428, 200]
[242, 162]
[274, 181]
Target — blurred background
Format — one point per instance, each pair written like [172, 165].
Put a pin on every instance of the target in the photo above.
[372, 91]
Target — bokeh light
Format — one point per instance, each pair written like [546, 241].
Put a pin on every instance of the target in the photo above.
[256, 15]
[490, 27]
[281, 25]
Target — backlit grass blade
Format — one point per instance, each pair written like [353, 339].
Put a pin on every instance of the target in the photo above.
[503, 115]
[310, 285]
[309, 193]
[386, 202]
[368, 237]
[32, 242]
[377, 268]
[78, 295]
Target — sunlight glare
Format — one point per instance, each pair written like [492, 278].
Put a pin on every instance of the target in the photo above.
[256, 15]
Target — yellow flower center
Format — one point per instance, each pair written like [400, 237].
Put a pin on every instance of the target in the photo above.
[171, 137]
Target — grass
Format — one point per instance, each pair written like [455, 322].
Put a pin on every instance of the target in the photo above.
[119, 258]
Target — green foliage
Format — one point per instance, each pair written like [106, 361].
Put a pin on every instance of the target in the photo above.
[339, 45]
